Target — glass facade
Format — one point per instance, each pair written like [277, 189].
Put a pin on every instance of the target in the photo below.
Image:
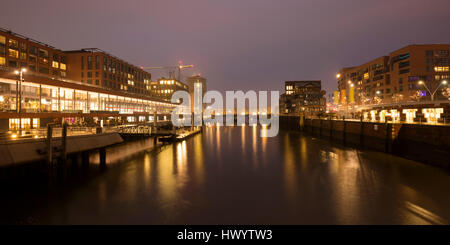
[44, 98]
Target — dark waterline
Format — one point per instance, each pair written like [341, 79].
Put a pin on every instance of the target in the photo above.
[230, 175]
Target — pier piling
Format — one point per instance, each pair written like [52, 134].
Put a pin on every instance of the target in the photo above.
[102, 154]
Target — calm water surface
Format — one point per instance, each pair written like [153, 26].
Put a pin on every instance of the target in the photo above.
[230, 175]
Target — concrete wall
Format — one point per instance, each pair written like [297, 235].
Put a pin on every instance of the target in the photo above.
[15, 153]
[425, 143]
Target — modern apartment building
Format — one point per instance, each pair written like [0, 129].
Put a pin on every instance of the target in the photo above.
[17, 51]
[163, 88]
[41, 84]
[409, 74]
[96, 67]
[306, 97]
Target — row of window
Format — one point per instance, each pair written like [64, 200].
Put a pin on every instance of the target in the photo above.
[113, 67]
[34, 53]
[441, 53]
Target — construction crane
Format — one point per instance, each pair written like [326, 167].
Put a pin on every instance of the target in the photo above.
[171, 69]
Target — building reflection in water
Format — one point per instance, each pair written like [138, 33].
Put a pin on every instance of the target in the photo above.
[289, 167]
[346, 183]
[199, 159]
[288, 179]
[254, 143]
[218, 133]
[243, 127]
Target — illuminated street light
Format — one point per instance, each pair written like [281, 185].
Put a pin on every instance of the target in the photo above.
[19, 89]
[338, 75]
[444, 82]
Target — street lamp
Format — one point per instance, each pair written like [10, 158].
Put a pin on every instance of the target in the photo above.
[444, 82]
[351, 85]
[19, 89]
[376, 99]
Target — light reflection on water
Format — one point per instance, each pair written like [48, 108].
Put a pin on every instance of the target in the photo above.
[231, 175]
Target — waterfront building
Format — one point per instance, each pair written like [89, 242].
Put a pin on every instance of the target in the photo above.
[197, 86]
[96, 67]
[164, 88]
[41, 84]
[306, 97]
[410, 78]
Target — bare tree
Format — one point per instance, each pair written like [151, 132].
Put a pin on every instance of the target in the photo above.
[446, 93]
[416, 96]
[376, 100]
[397, 97]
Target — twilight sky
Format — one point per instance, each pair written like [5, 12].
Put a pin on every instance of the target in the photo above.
[236, 44]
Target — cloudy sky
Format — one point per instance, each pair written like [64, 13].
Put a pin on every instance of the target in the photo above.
[236, 44]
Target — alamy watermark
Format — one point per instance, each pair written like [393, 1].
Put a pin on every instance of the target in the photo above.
[209, 109]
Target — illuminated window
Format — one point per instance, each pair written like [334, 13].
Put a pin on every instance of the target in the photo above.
[441, 68]
[2, 45]
[432, 114]
[14, 123]
[62, 66]
[35, 122]
[13, 44]
[410, 114]
[55, 64]
[23, 56]
[43, 56]
[366, 75]
[2, 61]
[13, 53]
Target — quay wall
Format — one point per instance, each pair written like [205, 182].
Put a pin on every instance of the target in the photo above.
[425, 143]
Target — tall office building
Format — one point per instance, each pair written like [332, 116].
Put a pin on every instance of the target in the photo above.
[164, 88]
[197, 89]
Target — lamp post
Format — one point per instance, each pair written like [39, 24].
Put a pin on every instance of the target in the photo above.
[19, 95]
[378, 92]
[19, 89]
[444, 82]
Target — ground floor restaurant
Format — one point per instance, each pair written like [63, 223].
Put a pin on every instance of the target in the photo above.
[438, 112]
[40, 104]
